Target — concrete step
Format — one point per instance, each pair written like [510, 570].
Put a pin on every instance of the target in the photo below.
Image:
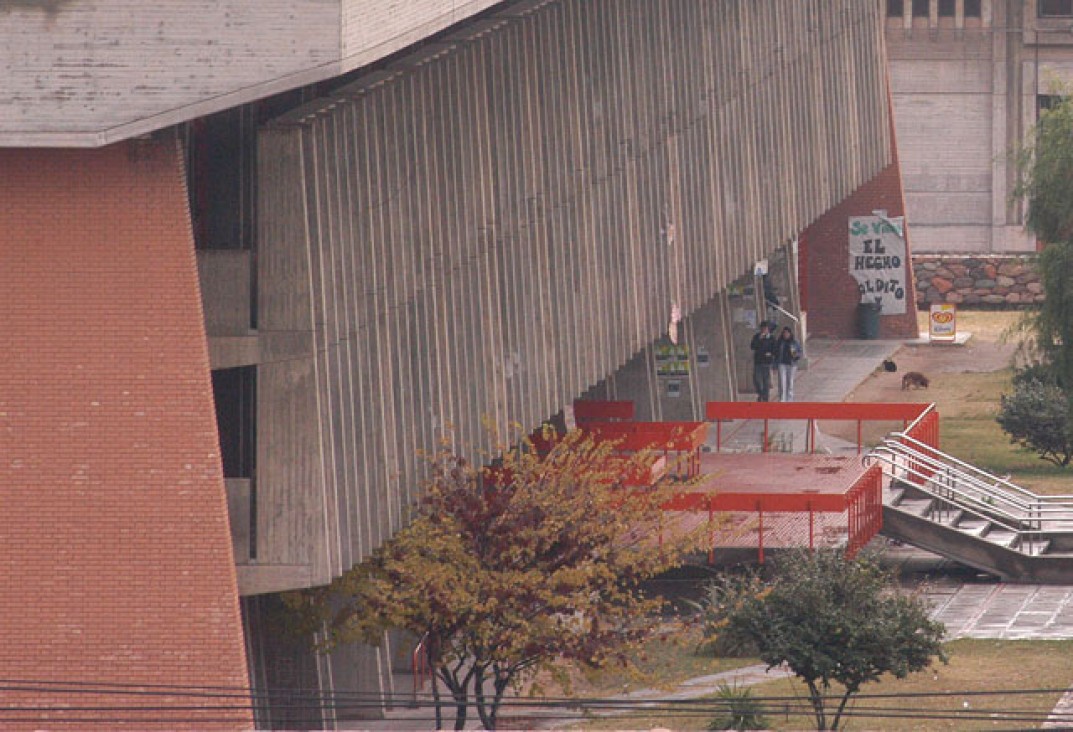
[1036, 548]
[950, 517]
[1001, 537]
[916, 506]
[893, 496]
[974, 526]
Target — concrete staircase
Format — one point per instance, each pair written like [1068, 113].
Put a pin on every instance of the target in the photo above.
[941, 504]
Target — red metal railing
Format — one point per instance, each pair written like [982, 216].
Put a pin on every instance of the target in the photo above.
[680, 443]
[865, 508]
[813, 412]
[925, 430]
[419, 664]
[862, 504]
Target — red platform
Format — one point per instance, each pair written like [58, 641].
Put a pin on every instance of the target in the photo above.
[782, 500]
[769, 500]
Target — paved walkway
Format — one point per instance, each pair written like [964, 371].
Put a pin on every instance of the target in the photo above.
[834, 369]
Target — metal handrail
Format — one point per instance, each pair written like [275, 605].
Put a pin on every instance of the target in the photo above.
[920, 418]
[994, 514]
[983, 480]
[974, 491]
[1026, 536]
[942, 469]
[972, 468]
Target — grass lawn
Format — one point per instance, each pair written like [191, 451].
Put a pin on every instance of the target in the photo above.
[975, 666]
[667, 659]
[968, 401]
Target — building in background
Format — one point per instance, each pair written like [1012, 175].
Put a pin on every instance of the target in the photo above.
[969, 78]
[259, 254]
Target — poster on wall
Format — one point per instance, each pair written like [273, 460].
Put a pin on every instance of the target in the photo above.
[672, 359]
[877, 261]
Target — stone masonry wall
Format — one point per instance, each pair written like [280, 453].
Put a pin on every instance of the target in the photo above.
[991, 281]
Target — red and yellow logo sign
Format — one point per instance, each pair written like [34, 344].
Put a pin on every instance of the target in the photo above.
[942, 323]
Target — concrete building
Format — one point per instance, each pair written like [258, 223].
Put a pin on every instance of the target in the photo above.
[969, 78]
[261, 253]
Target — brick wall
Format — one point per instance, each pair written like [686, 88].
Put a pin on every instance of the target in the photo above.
[830, 294]
[114, 542]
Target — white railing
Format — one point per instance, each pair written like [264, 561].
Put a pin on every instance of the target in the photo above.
[960, 486]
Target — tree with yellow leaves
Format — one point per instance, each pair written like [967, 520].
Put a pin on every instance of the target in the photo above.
[506, 570]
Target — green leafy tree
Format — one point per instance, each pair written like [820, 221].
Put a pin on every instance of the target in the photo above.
[1046, 187]
[1045, 165]
[835, 621]
[1035, 417]
[505, 571]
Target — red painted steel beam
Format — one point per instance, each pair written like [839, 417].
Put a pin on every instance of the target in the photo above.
[868, 411]
[593, 410]
[771, 502]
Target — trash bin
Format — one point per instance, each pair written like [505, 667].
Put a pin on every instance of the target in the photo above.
[868, 320]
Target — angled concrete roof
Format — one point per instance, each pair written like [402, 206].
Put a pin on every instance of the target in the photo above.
[83, 73]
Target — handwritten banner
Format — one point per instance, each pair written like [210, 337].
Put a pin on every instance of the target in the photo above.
[877, 261]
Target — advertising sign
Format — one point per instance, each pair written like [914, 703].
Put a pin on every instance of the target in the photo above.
[877, 261]
[942, 322]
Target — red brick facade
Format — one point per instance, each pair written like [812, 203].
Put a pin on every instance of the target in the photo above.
[114, 541]
[828, 291]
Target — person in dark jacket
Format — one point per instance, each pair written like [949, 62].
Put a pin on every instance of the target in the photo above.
[763, 345]
[787, 353]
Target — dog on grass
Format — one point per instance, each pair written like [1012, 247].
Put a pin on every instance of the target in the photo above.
[916, 380]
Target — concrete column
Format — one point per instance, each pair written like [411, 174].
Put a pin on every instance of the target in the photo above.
[358, 670]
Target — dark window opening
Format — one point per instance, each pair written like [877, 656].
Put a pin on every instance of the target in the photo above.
[219, 152]
[947, 8]
[895, 8]
[1045, 102]
[235, 391]
[972, 9]
[1055, 8]
[920, 8]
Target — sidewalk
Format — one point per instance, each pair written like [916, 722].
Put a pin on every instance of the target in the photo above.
[835, 368]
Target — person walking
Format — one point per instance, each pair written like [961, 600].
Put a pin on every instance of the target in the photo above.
[763, 345]
[787, 354]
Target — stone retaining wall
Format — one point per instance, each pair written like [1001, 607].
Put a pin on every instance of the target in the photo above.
[989, 281]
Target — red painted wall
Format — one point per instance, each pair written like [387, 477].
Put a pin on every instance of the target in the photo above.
[114, 539]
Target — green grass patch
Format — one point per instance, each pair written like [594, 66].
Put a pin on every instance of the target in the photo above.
[969, 431]
[975, 666]
[667, 659]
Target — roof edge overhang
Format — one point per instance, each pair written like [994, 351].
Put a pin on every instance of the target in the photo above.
[100, 137]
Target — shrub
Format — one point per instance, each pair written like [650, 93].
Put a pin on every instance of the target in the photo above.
[1036, 416]
[836, 621]
[721, 597]
[740, 710]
